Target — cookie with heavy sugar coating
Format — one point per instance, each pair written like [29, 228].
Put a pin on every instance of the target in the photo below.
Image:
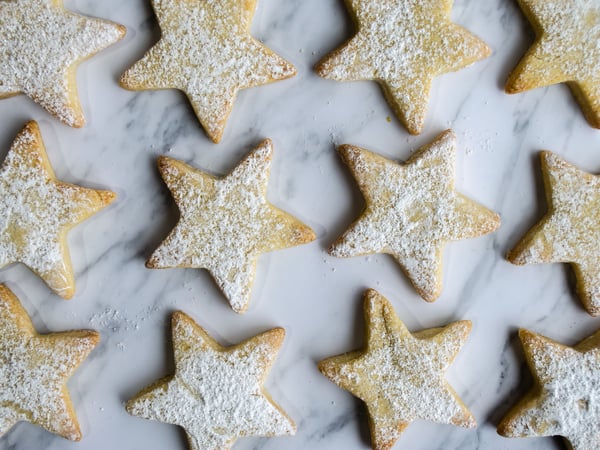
[226, 223]
[399, 374]
[403, 45]
[37, 211]
[206, 51]
[41, 46]
[565, 398]
[566, 50]
[570, 230]
[34, 369]
[216, 393]
[411, 211]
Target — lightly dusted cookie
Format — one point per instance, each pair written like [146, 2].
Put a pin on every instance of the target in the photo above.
[37, 211]
[226, 223]
[566, 50]
[399, 374]
[411, 211]
[403, 45]
[41, 45]
[565, 398]
[34, 369]
[207, 52]
[216, 393]
[570, 231]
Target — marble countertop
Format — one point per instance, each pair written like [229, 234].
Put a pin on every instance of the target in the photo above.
[315, 297]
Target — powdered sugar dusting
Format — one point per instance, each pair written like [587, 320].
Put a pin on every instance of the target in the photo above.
[400, 376]
[568, 402]
[226, 223]
[411, 211]
[571, 230]
[567, 50]
[206, 51]
[37, 211]
[572, 34]
[39, 48]
[216, 394]
[403, 45]
[34, 371]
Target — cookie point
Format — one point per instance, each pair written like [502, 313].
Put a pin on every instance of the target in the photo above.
[66, 293]
[277, 335]
[371, 293]
[164, 162]
[264, 148]
[516, 257]
[31, 126]
[151, 263]
[547, 156]
[123, 81]
[512, 86]
[179, 317]
[121, 30]
[75, 435]
[266, 144]
[76, 122]
[348, 152]
[322, 68]
[466, 325]
[215, 137]
[239, 308]
[373, 300]
[107, 197]
[447, 134]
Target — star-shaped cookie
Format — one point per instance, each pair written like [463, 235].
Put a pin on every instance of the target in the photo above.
[565, 51]
[41, 45]
[206, 51]
[411, 211]
[216, 393]
[403, 45]
[400, 375]
[34, 370]
[226, 223]
[570, 230]
[565, 399]
[37, 211]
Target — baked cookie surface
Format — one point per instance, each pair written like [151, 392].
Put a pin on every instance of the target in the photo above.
[206, 51]
[34, 370]
[37, 211]
[399, 374]
[216, 393]
[565, 399]
[41, 45]
[565, 51]
[411, 211]
[403, 45]
[570, 230]
[226, 223]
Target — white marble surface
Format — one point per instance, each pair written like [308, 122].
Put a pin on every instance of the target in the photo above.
[317, 298]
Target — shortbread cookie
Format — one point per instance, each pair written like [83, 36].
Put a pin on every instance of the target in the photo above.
[37, 211]
[216, 393]
[34, 370]
[566, 50]
[403, 45]
[400, 375]
[565, 398]
[206, 51]
[41, 45]
[570, 230]
[411, 211]
[226, 223]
